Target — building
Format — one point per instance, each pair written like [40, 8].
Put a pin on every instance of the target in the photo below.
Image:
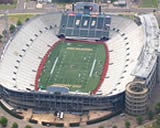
[46, 1]
[136, 98]
[132, 55]
[120, 3]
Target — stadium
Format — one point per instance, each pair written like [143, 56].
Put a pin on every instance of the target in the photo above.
[79, 60]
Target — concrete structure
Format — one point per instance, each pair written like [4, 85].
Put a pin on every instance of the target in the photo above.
[120, 3]
[136, 98]
[45, 1]
[133, 55]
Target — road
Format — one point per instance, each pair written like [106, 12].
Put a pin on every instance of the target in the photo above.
[21, 8]
[21, 123]
[135, 10]
[117, 120]
[104, 9]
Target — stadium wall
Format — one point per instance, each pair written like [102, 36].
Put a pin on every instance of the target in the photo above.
[49, 102]
[158, 70]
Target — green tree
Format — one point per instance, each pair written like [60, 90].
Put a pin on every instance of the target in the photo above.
[139, 120]
[4, 32]
[12, 28]
[157, 108]
[101, 127]
[19, 23]
[14, 125]
[113, 1]
[28, 126]
[27, 19]
[127, 124]
[150, 115]
[3, 121]
[115, 126]
[158, 120]
[1, 36]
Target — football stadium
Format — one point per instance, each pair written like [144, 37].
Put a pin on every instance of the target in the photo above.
[79, 60]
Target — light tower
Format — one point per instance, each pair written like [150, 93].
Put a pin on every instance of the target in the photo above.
[6, 27]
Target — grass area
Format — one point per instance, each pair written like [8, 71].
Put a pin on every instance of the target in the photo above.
[21, 17]
[70, 65]
[129, 16]
[8, 6]
[154, 125]
[149, 3]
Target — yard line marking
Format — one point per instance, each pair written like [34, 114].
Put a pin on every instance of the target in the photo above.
[54, 65]
[92, 69]
[79, 49]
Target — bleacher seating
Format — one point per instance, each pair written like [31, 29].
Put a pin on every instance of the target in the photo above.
[21, 60]
[123, 53]
[24, 53]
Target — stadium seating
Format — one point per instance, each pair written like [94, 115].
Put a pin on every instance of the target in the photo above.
[21, 60]
[123, 52]
[24, 52]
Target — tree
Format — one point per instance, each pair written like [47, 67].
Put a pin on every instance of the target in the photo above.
[12, 28]
[14, 125]
[1, 36]
[28, 126]
[4, 32]
[115, 126]
[101, 127]
[3, 121]
[139, 120]
[150, 115]
[157, 108]
[27, 19]
[158, 120]
[127, 124]
[19, 23]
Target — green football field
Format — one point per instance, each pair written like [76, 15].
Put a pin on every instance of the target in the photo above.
[77, 66]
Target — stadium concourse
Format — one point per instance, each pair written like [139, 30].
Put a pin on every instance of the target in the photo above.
[132, 49]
